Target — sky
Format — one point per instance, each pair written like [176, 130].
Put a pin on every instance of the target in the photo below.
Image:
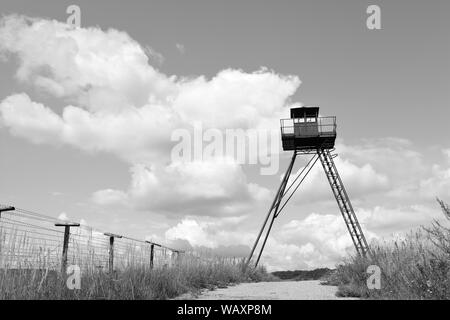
[86, 116]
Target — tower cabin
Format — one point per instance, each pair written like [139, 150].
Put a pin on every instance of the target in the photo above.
[305, 130]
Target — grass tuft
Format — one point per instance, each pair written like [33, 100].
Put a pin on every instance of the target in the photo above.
[417, 267]
[134, 282]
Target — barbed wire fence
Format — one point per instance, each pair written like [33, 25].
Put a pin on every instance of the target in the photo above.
[36, 241]
[31, 240]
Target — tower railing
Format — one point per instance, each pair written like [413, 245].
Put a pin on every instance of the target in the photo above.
[326, 126]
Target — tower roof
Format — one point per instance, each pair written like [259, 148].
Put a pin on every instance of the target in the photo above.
[305, 112]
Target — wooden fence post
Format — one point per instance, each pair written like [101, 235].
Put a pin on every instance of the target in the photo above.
[152, 252]
[6, 209]
[65, 243]
[176, 257]
[173, 256]
[179, 256]
[152, 255]
[111, 250]
[1, 210]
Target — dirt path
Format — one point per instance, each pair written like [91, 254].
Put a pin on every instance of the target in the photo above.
[285, 290]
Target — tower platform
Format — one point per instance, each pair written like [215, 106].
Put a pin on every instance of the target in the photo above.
[305, 130]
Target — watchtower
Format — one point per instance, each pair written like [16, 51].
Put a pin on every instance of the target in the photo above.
[306, 133]
[305, 130]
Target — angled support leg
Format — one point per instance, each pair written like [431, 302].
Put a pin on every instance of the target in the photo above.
[275, 204]
[278, 210]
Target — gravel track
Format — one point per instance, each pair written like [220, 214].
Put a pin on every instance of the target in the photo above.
[284, 290]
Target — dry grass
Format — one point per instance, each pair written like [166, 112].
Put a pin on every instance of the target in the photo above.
[29, 271]
[135, 282]
[417, 267]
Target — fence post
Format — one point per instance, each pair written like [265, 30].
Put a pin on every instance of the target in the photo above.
[65, 243]
[111, 250]
[173, 257]
[152, 255]
[152, 252]
[1, 210]
[6, 209]
[180, 256]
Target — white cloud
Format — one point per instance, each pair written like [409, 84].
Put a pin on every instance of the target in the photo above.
[385, 221]
[360, 181]
[437, 184]
[30, 120]
[211, 233]
[394, 157]
[192, 231]
[110, 197]
[206, 188]
[122, 105]
[318, 240]
[234, 99]
[82, 62]
[411, 177]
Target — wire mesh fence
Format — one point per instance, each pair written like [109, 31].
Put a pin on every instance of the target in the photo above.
[35, 241]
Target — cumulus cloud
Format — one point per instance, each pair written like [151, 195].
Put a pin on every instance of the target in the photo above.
[83, 63]
[437, 184]
[193, 231]
[132, 135]
[317, 240]
[202, 188]
[113, 100]
[30, 120]
[386, 221]
[411, 177]
[396, 157]
[215, 232]
[359, 180]
[234, 99]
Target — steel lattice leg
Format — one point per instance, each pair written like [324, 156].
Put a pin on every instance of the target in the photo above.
[343, 201]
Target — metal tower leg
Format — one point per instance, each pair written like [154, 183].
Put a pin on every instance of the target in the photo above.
[343, 202]
[275, 204]
[274, 216]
